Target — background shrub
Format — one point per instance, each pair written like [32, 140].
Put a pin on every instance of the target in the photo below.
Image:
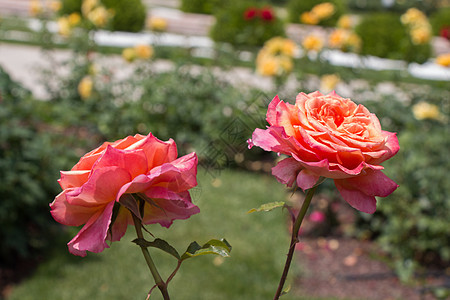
[199, 6]
[383, 35]
[297, 7]
[412, 223]
[70, 6]
[232, 27]
[31, 154]
[440, 20]
[129, 15]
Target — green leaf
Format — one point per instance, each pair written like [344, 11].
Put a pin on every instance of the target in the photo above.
[160, 244]
[286, 290]
[217, 247]
[267, 207]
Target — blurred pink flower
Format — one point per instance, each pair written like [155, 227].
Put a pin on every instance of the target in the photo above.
[317, 217]
[329, 136]
[142, 165]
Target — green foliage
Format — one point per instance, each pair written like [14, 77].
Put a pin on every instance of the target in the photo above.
[200, 6]
[70, 6]
[383, 35]
[297, 7]
[412, 223]
[129, 15]
[196, 109]
[267, 207]
[232, 26]
[31, 155]
[440, 20]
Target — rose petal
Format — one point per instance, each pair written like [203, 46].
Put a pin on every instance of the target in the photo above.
[166, 206]
[360, 191]
[70, 179]
[306, 179]
[179, 175]
[133, 161]
[92, 236]
[101, 188]
[286, 171]
[358, 199]
[156, 151]
[71, 215]
[119, 228]
[271, 115]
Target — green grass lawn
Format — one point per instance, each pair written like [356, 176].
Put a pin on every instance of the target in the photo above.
[259, 241]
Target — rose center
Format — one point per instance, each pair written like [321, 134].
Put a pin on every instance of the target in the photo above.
[332, 115]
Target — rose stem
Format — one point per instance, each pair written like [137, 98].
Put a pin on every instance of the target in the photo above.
[294, 239]
[158, 280]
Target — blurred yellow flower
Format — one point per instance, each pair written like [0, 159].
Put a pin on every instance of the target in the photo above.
[278, 45]
[323, 10]
[88, 5]
[353, 42]
[286, 64]
[345, 22]
[337, 38]
[425, 110]
[328, 82]
[64, 27]
[418, 26]
[345, 40]
[274, 45]
[443, 60]
[275, 58]
[129, 54]
[268, 66]
[35, 7]
[55, 5]
[312, 43]
[74, 19]
[289, 47]
[99, 16]
[143, 51]
[420, 35]
[85, 87]
[309, 18]
[157, 24]
[413, 15]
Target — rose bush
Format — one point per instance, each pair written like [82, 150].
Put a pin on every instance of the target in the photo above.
[137, 169]
[329, 136]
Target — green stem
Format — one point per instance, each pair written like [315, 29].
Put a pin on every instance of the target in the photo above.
[151, 265]
[294, 239]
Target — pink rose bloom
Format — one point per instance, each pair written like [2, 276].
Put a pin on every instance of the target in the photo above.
[329, 136]
[141, 165]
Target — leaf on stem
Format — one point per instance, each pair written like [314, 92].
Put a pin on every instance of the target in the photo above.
[267, 207]
[286, 290]
[160, 244]
[217, 247]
